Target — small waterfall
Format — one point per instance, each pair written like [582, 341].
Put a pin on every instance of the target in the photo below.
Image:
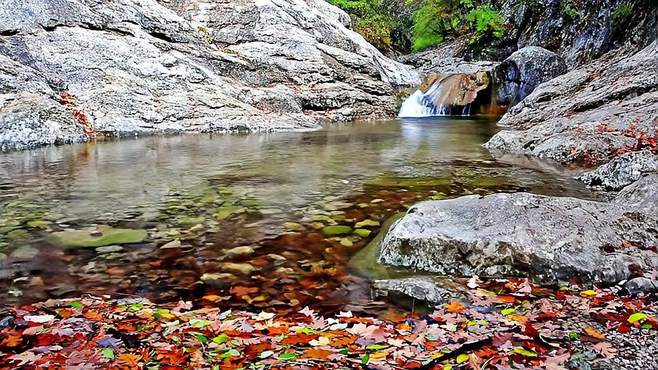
[451, 95]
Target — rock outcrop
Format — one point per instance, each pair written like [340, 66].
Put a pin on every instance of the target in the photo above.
[71, 69]
[589, 115]
[518, 75]
[621, 171]
[579, 31]
[552, 238]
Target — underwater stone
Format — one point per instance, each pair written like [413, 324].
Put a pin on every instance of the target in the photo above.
[337, 230]
[109, 236]
[366, 223]
[242, 268]
[240, 251]
[172, 244]
[109, 249]
[24, 252]
[364, 233]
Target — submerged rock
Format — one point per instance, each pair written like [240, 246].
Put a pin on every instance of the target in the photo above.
[242, 251]
[337, 230]
[24, 252]
[552, 238]
[240, 268]
[518, 75]
[98, 237]
[621, 171]
[109, 249]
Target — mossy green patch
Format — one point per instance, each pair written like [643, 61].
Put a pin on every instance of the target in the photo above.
[225, 212]
[38, 224]
[408, 182]
[364, 263]
[367, 223]
[337, 230]
[364, 233]
[189, 220]
[88, 239]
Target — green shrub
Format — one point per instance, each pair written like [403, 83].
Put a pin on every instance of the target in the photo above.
[621, 15]
[436, 20]
[373, 20]
[488, 22]
[568, 8]
[431, 22]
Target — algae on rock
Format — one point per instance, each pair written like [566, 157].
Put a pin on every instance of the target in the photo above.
[99, 237]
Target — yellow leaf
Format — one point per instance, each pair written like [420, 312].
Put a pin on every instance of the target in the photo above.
[462, 358]
[589, 293]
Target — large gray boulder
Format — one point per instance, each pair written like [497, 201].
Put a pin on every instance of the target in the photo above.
[589, 115]
[73, 68]
[551, 238]
[518, 75]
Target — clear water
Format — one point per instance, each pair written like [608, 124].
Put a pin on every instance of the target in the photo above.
[214, 193]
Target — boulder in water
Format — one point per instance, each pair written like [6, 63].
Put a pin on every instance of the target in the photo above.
[552, 238]
[518, 75]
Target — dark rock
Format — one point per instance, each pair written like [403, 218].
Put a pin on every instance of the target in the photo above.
[552, 238]
[518, 75]
[7, 322]
[621, 171]
[589, 115]
[640, 285]
[579, 31]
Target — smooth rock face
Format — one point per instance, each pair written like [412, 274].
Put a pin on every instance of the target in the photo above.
[142, 67]
[589, 115]
[421, 288]
[621, 171]
[518, 75]
[552, 238]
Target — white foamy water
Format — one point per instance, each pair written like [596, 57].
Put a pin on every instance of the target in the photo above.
[433, 103]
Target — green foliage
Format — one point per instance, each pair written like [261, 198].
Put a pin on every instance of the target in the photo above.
[568, 8]
[436, 20]
[621, 15]
[430, 22]
[488, 22]
[374, 21]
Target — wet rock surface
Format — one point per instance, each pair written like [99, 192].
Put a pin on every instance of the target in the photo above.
[621, 171]
[75, 69]
[518, 75]
[589, 115]
[421, 288]
[552, 238]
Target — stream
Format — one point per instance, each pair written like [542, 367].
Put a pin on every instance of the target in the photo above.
[248, 221]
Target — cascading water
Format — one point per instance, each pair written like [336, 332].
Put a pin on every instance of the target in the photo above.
[452, 95]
